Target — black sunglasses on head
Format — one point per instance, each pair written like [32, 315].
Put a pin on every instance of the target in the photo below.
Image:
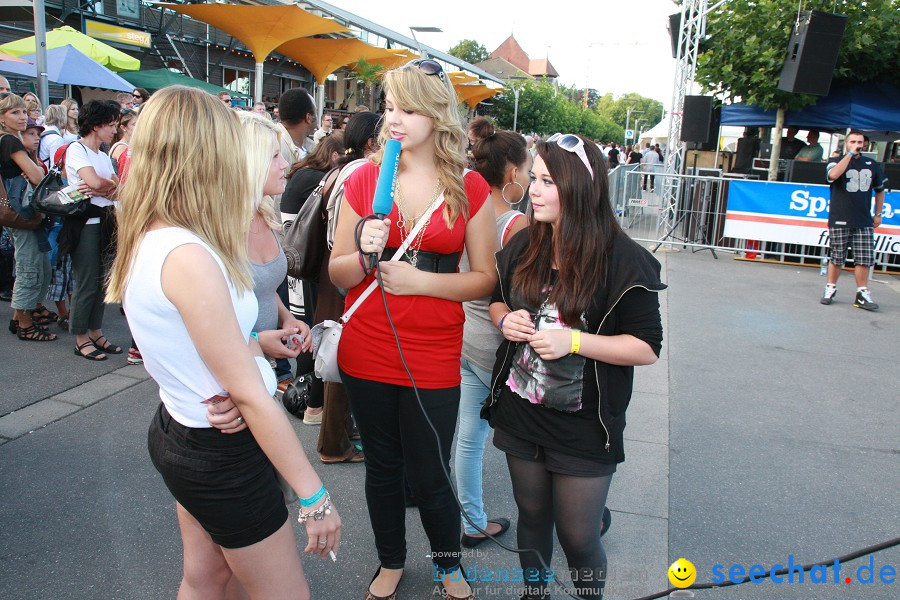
[427, 66]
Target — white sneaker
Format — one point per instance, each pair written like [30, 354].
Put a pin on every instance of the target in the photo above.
[828, 297]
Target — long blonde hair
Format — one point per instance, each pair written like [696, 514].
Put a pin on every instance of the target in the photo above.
[68, 103]
[187, 169]
[259, 134]
[428, 95]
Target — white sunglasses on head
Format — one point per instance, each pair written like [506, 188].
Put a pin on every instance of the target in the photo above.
[572, 143]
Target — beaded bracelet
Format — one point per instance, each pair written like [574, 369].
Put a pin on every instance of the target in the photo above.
[314, 498]
[319, 514]
[500, 323]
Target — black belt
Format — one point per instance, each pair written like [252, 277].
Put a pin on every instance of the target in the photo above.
[431, 262]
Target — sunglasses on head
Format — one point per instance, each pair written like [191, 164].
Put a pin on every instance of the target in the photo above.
[427, 66]
[574, 144]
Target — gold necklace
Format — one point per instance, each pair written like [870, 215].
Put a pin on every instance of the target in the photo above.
[415, 245]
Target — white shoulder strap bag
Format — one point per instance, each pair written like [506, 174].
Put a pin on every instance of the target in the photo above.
[327, 334]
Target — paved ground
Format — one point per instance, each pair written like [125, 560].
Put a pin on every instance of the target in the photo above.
[768, 429]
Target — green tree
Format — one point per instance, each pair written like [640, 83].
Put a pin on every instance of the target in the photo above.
[370, 75]
[545, 110]
[616, 109]
[469, 51]
[747, 41]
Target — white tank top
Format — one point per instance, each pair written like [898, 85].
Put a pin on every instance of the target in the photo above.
[166, 346]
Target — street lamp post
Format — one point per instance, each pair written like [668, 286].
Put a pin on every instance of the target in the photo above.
[516, 104]
[637, 128]
[630, 112]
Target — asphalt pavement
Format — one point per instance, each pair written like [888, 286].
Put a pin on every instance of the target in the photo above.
[767, 430]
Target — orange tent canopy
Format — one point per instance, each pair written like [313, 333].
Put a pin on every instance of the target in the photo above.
[457, 77]
[473, 94]
[260, 28]
[400, 57]
[322, 57]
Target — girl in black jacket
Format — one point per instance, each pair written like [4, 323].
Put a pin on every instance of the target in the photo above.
[577, 305]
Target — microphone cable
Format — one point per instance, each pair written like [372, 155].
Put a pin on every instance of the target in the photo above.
[377, 270]
[374, 267]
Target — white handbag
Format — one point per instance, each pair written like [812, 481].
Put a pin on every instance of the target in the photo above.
[327, 334]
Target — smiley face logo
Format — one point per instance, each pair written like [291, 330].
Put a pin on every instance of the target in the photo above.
[682, 573]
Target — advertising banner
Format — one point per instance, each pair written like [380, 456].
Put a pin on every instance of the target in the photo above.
[797, 213]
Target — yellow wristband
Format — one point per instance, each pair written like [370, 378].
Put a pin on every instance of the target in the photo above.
[576, 341]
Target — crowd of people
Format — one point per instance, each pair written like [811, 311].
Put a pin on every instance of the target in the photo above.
[525, 321]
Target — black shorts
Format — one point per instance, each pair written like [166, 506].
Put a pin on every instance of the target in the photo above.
[553, 460]
[223, 480]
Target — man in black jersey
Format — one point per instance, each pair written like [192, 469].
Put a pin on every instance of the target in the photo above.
[853, 178]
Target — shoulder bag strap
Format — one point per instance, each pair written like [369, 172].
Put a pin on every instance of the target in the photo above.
[412, 235]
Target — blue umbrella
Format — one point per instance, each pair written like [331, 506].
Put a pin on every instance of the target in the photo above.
[67, 65]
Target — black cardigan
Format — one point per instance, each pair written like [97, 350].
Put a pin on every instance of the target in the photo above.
[630, 266]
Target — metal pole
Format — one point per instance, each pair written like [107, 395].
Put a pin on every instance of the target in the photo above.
[516, 110]
[257, 93]
[40, 53]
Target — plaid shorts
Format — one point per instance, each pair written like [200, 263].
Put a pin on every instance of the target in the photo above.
[61, 280]
[861, 240]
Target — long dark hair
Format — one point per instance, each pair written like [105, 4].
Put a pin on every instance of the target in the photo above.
[583, 239]
[361, 128]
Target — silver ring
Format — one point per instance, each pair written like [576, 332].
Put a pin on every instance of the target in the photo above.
[371, 240]
[241, 420]
[321, 543]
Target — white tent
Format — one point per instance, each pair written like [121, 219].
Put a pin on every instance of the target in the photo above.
[659, 134]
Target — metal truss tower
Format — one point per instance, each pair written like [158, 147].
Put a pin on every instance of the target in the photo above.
[691, 32]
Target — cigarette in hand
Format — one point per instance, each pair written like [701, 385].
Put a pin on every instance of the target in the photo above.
[332, 555]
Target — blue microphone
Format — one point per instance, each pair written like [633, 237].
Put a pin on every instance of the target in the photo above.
[383, 200]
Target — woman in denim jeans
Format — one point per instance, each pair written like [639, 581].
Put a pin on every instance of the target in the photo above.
[32, 262]
[503, 160]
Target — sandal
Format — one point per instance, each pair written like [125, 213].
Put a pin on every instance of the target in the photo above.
[353, 455]
[35, 333]
[107, 347]
[42, 313]
[95, 355]
[14, 326]
[63, 323]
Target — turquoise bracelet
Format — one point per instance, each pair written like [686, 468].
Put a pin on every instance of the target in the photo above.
[314, 498]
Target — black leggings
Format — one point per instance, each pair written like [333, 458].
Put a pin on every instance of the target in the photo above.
[575, 506]
[395, 435]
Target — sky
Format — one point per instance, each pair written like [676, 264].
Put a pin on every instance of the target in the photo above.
[613, 46]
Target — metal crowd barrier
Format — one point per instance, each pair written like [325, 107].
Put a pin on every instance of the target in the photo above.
[698, 220]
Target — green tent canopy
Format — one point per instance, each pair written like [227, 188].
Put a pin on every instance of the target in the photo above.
[160, 78]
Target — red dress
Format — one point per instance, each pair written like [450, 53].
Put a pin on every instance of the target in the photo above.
[430, 329]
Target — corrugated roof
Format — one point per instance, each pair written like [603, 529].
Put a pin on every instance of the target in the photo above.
[389, 34]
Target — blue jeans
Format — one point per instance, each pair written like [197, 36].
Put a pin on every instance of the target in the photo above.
[470, 443]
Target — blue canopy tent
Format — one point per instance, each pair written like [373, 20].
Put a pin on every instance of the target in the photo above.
[870, 107]
[67, 65]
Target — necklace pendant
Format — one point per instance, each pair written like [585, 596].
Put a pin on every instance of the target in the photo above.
[414, 260]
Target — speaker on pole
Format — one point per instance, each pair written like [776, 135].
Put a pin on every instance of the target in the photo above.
[812, 53]
[700, 123]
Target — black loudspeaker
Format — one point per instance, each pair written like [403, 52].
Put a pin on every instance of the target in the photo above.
[700, 123]
[747, 147]
[812, 53]
[674, 30]
[808, 172]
